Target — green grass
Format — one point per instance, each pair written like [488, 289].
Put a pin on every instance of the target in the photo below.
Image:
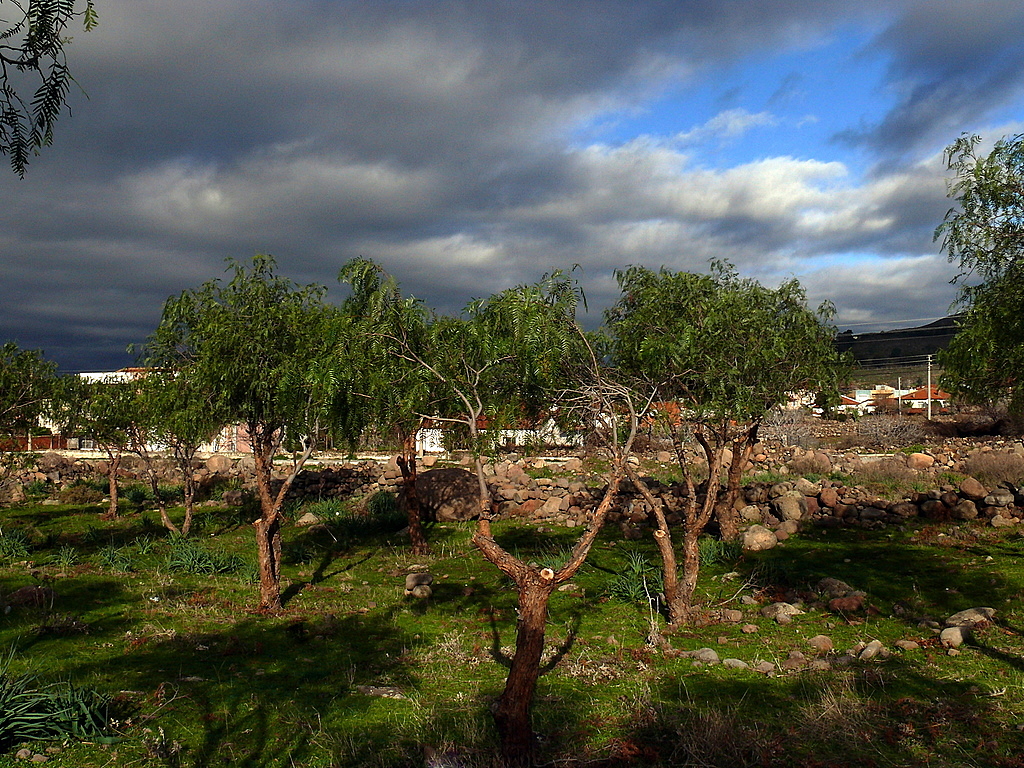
[200, 679]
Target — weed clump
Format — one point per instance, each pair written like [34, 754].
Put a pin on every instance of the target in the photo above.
[995, 468]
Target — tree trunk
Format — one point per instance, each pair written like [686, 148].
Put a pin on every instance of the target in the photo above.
[268, 554]
[725, 511]
[154, 484]
[691, 567]
[268, 524]
[183, 457]
[407, 463]
[663, 540]
[190, 500]
[115, 464]
[513, 710]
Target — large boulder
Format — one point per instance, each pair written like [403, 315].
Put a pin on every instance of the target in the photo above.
[757, 538]
[447, 494]
[791, 505]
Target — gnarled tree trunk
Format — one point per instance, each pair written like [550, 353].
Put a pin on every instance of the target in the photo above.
[407, 463]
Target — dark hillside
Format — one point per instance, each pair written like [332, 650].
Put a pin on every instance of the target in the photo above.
[903, 346]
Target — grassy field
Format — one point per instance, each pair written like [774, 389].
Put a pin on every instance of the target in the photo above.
[354, 673]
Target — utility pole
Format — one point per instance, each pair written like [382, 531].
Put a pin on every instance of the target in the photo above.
[929, 387]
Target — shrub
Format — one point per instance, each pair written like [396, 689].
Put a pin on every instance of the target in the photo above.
[886, 478]
[29, 711]
[639, 581]
[717, 552]
[81, 493]
[789, 427]
[14, 546]
[993, 468]
[116, 558]
[189, 556]
[811, 464]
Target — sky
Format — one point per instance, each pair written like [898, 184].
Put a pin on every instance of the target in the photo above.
[471, 146]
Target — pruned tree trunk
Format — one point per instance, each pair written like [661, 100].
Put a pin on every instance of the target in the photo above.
[725, 509]
[675, 605]
[407, 463]
[189, 491]
[268, 555]
[268, 524]
[112, 484]
[154, 484]
[513, 710]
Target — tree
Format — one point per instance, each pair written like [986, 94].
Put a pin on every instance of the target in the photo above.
[182, 417]
[394, 333]
[984, 235]
[32, 54]
[721, 352]
[107, 412]
[273, 353]
[27, 384]
[508, 358]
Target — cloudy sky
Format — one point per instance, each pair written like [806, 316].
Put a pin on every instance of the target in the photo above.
[469, 146]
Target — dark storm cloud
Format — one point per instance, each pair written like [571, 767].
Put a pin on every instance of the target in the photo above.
[435, 137]
[952, 64]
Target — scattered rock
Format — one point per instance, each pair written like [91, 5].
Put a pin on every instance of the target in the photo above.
[783, 613]
[735, 664]
[765, 667]
[871, 650]
[308, 519]
[907, 645]
[757, 538]
[972, 617]
[920, 461]
[849, 604]
[706, 655]
[833, 588]
[380, 691]
[972, 489]
[954, 637]
[821, 643]
[731, 616]
[748, 629]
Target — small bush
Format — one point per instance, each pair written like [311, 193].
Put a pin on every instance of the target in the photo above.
[30, 711]
[994, 468]
[14, 546]
[789, 427]
[116, 558]
[885, 431]
[887, 478]
[810, 464]
[65, 558]
[717, 552]
[81, 493]
[638, 582]
[189, 556]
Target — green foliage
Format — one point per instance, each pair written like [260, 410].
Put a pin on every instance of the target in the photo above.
[270, 352]
[116, 558]
[27, 385]
[14, 546]
[718, 552]
[35, 38]
[82, 492]
[31, 711]
[639, 581]
[65, 558]
[984, 235]
[189, 556]
[722, 346]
